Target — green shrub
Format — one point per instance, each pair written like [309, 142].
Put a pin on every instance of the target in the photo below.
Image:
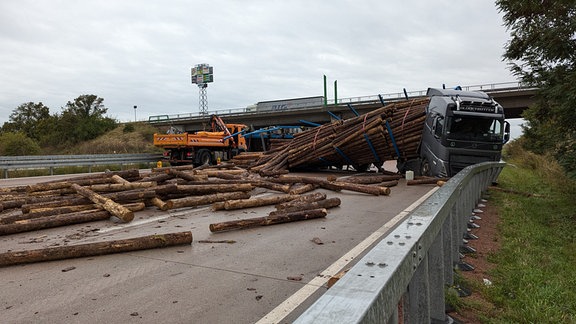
[16, 144]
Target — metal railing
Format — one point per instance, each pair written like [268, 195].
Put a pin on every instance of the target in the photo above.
[412, 265]
[8, 163]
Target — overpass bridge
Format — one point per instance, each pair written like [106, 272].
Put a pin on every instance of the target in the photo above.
[513, 96]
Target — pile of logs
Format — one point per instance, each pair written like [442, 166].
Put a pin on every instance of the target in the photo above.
[391, 132]
[120, 194]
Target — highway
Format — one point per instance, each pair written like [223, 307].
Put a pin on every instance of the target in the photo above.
[269, 275]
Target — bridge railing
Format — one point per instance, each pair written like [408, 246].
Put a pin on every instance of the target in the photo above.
[413, 265]
[492, 87]
[8, 163]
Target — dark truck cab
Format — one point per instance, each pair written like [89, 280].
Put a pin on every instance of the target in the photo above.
[462, 128]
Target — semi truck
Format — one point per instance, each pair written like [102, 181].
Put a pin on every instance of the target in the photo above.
[461, 128]
[221, 142]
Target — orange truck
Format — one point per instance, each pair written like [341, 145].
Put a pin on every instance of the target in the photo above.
[220, 143]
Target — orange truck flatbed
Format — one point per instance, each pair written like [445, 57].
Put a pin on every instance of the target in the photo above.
[208, 139]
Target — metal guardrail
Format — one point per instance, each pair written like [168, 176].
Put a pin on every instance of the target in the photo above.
[229, 112]
[412, 265]
[8, 163]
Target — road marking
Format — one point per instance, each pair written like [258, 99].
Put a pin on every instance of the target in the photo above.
[148, 220]
[290, 304]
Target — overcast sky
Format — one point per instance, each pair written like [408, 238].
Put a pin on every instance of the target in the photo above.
[139, 52]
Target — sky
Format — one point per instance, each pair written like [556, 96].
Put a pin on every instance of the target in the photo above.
[140, 52]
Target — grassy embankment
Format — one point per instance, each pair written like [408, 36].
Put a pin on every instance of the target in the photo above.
[126, 138]
[534, 280]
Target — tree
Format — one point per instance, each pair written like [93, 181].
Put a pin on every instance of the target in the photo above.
[16, 144]
[542, 52]
[28, 118]
[83, 119]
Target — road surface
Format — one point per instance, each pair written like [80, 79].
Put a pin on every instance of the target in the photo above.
[269, 275]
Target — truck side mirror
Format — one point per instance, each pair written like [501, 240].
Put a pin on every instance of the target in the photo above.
[506, 132]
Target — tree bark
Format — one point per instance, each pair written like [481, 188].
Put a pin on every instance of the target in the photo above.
[207, 199]
[326, 203]
[425, 181]
[257, 202]
[210, 189]
[268, 220]
[317, 196]
[93, 249]
[108, 204]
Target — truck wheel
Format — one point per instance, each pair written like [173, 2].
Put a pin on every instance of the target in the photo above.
[204, 157]
[425, 167]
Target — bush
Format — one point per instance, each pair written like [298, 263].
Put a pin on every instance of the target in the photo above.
[16, 144]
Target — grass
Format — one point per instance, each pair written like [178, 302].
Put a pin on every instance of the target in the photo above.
[534, 279]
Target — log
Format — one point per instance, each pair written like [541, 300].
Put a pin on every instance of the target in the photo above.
[161, 204]
[111, 187]
[317, 196]
[207, 199]
[209, 189]
[257, 202]
[370, 179]
[368, 189]
[298, 189]
[108, 204]
[35, 224]
[425, 181]
[187, 176]
[93, 249]
[268, 220]
[326, 203]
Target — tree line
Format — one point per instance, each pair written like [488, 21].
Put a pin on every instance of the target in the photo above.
[32, 130]
[542, 52]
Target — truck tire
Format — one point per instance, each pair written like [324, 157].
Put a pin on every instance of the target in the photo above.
[204, 157]
[425, 168]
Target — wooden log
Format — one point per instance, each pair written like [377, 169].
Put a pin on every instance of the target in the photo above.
[94, 249]
[35, 224]
[219, 205]
[425, 181]
[118, 179]
[257, 202]
[161, 204]
[317, 196]
[368, 189]
[326, 203]
[392, 183]
[371, 179]
[207, 199]
[111, 187]
[187, 176]
[310, 180]
[268, 220]
[210, 189]
[108, 204]
[271, 185]
[298, 189]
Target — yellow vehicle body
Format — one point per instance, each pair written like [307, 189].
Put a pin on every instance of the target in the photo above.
[222, 143]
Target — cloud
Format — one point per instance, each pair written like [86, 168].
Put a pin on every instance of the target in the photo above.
[140, 52]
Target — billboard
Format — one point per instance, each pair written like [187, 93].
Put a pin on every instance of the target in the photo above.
[202, 74]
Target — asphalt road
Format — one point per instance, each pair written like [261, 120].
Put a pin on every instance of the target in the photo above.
[269, 275]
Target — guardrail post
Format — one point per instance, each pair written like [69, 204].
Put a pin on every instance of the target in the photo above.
[5, 173]
[436, 278]
[418, 301]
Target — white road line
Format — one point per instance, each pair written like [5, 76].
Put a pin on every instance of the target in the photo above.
[290, 304]
[146, 221]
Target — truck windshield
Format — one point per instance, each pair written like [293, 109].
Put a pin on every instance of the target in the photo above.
[474, 129]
